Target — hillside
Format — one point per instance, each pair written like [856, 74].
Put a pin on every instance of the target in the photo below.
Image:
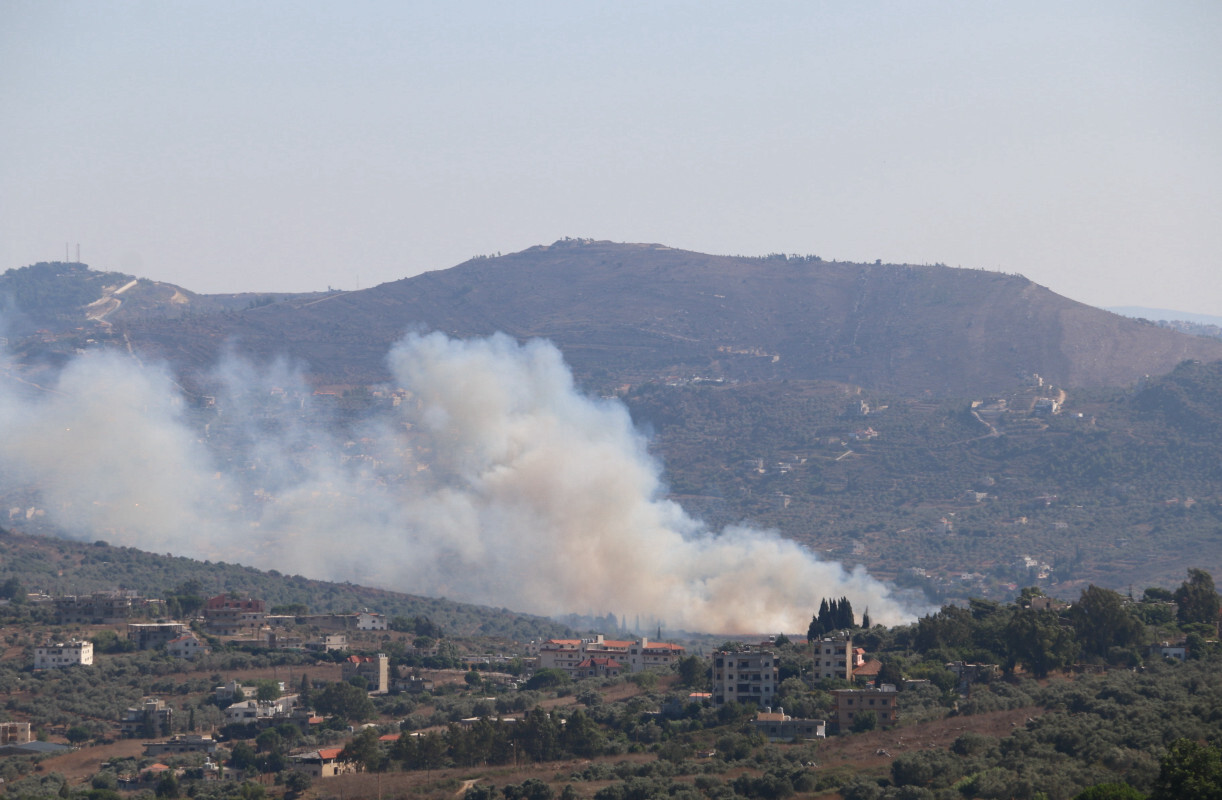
[1116, 488]
[627, 313]
[60, 566]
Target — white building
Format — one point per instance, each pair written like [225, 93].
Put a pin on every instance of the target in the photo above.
[256, 710]
[53, 656]
[369, 621]
[187, 646]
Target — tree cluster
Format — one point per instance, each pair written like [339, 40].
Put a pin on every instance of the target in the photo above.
[834, 616]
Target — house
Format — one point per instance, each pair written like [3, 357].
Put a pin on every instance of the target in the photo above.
[323, 763]
[971, 673]
[853, 703]
[413, 684]
[14, 733]
[150, 718]
[284, 641]
[231, 616]
[328, 642]
[779, 727]
[868, 672]
[188, 646]
[152, 635]
[1046, 406]
[69, 654]
[598, 667]
[228, 691]
[1178, 651]
[188, 743]
[1042, 603]
[248, 711]
[745, 676]
[368, 621]
[374, 669]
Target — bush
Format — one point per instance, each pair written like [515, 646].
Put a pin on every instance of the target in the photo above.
[864, 722]
[547, 679]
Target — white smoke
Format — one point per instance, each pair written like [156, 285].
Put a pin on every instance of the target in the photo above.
[492, 480]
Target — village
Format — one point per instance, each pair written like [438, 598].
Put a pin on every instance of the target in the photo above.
[109, 694]
[180, 742]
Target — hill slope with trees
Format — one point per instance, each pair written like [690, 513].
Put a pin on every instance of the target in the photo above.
[1008, 429]
[62, 567]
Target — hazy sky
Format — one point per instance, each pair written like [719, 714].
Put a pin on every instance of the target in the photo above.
[230, 146]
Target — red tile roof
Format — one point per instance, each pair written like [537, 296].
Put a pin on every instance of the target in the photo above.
[868, 669]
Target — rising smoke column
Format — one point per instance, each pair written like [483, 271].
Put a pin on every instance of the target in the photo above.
[496, 481]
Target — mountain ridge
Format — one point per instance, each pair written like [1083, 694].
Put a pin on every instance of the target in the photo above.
[624, 313]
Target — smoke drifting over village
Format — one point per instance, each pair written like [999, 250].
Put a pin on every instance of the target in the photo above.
[488, 478]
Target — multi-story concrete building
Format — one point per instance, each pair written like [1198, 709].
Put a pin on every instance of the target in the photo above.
[835, 657]
[229, 616]
[328, 642]
[151, 718]
[637, 656]
[852, 703]
[562, 654]
[369, 621]
[745, 676]
[99, 608]
[598, 667]
[151, 635]
[63, 654]
[644, 654]
[374, 669]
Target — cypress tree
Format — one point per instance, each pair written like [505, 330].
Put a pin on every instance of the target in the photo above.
[827, 620]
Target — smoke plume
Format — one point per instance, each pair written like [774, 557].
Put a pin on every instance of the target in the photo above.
[481, 474]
